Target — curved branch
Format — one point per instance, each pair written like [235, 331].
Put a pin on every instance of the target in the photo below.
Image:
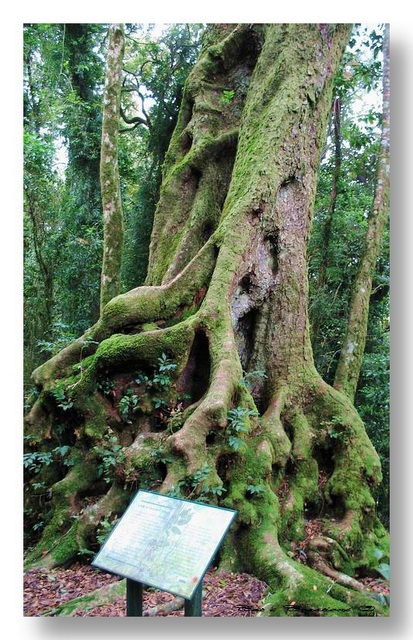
[140, 305]
[136, 120]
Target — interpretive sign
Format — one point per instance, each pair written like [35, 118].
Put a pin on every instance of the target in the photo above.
[166, 543]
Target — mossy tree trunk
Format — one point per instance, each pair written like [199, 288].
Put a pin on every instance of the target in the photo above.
[351, 355]
[109, 169]
[205, 375]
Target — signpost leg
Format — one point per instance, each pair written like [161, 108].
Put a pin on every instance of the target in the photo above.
[134, 598]
[193, 607]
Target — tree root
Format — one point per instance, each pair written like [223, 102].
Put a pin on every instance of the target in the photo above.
[102, 596]
[321, 565]
[299, 590]
[131, 309]
[293, 410]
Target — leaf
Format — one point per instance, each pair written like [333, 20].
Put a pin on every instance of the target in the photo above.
[235, 443]
[255, 489]
[62, 451]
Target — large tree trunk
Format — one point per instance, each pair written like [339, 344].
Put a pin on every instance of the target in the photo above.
[351, 355]
[109, 169]
[257, 429]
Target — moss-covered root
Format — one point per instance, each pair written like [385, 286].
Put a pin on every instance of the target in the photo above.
[298, 590]
[347, 492]
[62, 538]
[62, 363]
[212, 411]
[134, 308]
[106, 595]
[100, 597]
[315, 597]
[57, 550]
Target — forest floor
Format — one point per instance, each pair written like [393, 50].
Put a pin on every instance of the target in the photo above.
[226, 594]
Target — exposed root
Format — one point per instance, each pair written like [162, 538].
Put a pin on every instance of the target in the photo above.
[298, 590]
[101, 596]
[132, 309]
[321, 565]
[61, 540]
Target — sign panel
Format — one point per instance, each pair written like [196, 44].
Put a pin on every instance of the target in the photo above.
[164, 542]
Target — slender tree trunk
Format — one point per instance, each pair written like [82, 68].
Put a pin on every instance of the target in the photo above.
[334, 192]
[351, 356]
[328, 222]
[109, 170]
[226, 299]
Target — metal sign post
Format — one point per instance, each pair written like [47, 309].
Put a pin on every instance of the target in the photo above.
[193, 607]
[134, 604]
[134, 601]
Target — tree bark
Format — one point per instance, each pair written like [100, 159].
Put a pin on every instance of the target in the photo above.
[226, 301]
[351, 355]
[109, 170]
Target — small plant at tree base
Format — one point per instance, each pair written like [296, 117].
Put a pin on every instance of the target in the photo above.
[250, 378]
[193, 484]
[30, 398]
[105, 527]
[255, 489]
[235, 442]
[384, 570]
[160, 383]
[237, 424]
[62, 457]
[163, 377]
[38, 486]
[227, 96]
[175, 419]
[335, 430]
[174, 492]
[129, 403]
[384, 567]
[105, 386]
[111, 458]
[219, 490]
[339, 435]
[36, 460]
[159, 455]
[64, 401]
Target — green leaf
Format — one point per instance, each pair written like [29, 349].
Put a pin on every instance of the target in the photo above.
[235, 443]
[255, 489]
